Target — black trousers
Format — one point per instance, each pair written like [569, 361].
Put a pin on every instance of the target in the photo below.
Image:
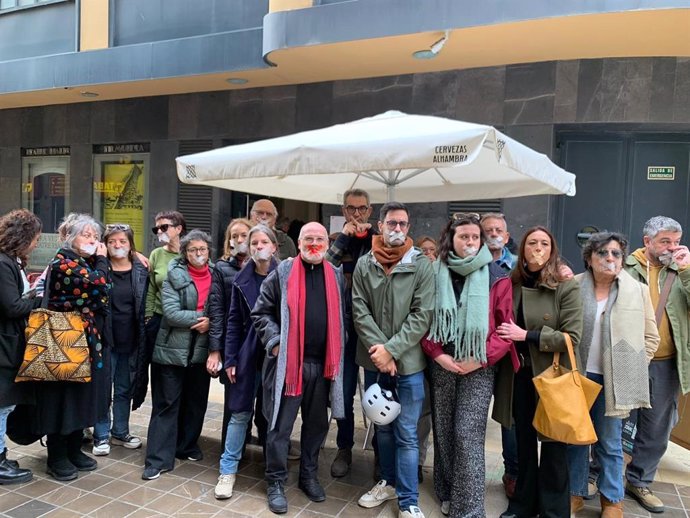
[179, 400]
[542, 485]
[314, 405]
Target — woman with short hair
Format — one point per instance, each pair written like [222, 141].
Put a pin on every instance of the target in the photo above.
[179, 380]
[619, 339]
[19, 234]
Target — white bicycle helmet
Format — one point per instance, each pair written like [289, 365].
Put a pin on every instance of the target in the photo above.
[380, 405]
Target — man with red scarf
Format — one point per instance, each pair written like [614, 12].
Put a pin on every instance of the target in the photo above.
[392, 305]
[300, 319]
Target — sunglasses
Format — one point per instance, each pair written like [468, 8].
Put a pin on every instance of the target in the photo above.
[472, 216]
[117, 227]
[617, 254]
[163, 228]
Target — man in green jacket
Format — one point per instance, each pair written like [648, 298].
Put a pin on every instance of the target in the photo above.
[663, 259]
[392, 304]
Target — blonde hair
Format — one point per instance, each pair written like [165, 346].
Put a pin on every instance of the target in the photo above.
[226, 242]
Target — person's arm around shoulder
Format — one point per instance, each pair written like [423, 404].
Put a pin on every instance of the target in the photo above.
[418, 320]
[264, 313]
[570, 319]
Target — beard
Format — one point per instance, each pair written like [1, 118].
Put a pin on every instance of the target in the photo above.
[665, 258]
[313, 254]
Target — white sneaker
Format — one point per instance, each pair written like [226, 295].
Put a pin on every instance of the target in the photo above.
[445, 507]
[224, 486]
[101, 447]
[412, 512]
[378, 494]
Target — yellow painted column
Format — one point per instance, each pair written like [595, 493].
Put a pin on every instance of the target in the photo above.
[94, 26]
[286, 5]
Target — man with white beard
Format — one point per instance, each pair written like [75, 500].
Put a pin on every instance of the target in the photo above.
[300, 319]
[662, 264]
[494, 226]
[392, 304]
[265, 212]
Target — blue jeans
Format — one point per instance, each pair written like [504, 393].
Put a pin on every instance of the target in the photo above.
[234, 442]
[608, 450]
[4, 412]
[122, 400]
[397, 442]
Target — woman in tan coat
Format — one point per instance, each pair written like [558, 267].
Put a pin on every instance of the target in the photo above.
[545, 307]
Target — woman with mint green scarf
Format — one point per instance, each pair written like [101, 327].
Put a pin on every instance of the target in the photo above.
[473, 297]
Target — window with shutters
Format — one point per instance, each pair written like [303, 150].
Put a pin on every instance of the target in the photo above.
[195, 202]
[478, 206]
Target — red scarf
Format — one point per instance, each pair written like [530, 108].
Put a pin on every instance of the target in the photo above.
[296, 301]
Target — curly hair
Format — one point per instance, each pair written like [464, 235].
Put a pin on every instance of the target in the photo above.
[17, 231]
[600, 240]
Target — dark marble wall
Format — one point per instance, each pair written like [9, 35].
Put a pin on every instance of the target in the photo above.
[529, 102]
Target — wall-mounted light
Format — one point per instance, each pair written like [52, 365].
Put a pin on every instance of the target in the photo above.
[237, 80]
[433, 50]
[84, 93]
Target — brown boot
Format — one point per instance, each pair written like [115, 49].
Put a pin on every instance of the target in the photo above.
[577, 503]
[611, 510]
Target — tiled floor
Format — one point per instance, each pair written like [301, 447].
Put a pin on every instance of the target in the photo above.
[115, 489]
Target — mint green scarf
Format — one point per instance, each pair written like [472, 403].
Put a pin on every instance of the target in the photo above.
[465, 324]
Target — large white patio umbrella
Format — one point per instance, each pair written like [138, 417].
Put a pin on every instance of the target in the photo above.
[408, 158]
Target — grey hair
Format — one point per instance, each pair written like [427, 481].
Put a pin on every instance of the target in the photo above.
[195, 234]
[262, 228]
[660, 224]
[355, 192]
[600, 240]
[74, 225]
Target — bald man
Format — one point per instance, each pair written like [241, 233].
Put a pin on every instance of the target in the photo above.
[301, 321]
[265, 212]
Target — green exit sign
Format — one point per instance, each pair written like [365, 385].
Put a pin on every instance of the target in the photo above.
[656, 172]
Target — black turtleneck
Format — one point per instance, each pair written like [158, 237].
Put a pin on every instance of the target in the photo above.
[315, 317]
[532, 281]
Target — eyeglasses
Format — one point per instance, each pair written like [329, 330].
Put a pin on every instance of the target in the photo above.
[163, 228]
[117, 227]
[263, 213]
[472, 216]
[202, 249]
[604, 253]
[351, 209]
[392, 224]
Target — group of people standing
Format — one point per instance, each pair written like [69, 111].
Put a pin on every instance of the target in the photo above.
[287, 328]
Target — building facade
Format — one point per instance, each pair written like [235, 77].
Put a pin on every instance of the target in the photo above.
[97, 98]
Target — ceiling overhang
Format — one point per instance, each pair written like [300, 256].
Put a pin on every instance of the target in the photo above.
[309, 45]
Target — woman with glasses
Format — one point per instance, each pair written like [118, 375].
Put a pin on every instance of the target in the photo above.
[428, 247]
[170, 226]
[179, 380]
[78, 279]
[545, 306]
[619, 338]
[129, 370]
[473, 297]
[244, 353]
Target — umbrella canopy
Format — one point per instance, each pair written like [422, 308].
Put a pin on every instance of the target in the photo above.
[409, 158]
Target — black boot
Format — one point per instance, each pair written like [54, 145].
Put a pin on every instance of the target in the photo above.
[10, 473]
[12, 463]
[59, 466]
[77, 457]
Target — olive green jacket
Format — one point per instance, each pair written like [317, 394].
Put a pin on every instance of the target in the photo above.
[552, 311]
[176, 343]
[677, 307]
[394, 310]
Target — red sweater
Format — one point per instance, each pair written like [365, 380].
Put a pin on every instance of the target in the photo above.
[500, 310]
[202, 280]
